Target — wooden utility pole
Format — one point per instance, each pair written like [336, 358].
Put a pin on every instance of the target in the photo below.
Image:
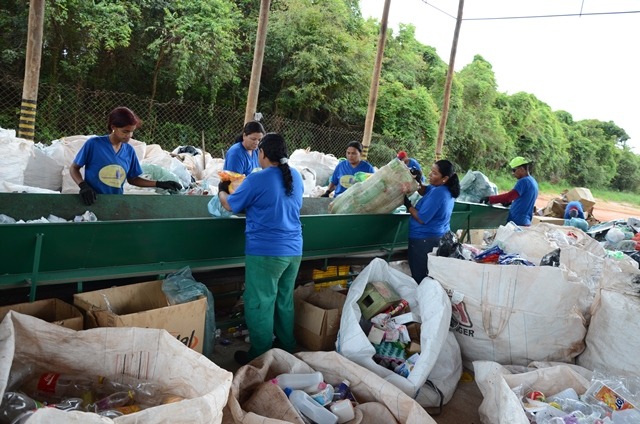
[256, 68]
[447, 84]
[27, 126]
[375, 81]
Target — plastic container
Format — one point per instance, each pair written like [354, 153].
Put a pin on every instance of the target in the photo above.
[17, 407]
[19, 374]
[343, 409]
[569, 393]
[52, 387]
[145, 391]
[324, 396]
[342, 391]
[626, 416]
[299, 381]
[112, 401]
[312, 409]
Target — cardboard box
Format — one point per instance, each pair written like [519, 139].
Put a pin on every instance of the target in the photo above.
[555, 208]
[377, 297]
[317, 317]
[144, 305]
[583, 195]
[54, 311]
[547, 220]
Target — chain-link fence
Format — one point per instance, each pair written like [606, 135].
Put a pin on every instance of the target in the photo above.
[64, 111]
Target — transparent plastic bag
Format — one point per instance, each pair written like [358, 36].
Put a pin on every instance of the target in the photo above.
[181, 287]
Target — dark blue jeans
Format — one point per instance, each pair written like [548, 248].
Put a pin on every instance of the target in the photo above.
[418, 250]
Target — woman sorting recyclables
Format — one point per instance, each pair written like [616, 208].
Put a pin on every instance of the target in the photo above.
[431, 216]
[242, 157]
[109, 159]
[523, 195]
[271, 199]
[342, 177]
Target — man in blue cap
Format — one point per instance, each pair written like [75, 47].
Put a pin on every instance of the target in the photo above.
[523, 195]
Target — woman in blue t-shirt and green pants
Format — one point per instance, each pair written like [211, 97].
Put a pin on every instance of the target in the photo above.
[271, 199]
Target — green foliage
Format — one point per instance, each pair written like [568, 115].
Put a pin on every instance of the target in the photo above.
[195, 43]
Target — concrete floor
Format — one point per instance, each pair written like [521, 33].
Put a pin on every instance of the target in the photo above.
[462, 409]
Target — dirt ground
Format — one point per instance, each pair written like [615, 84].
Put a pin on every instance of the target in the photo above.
[603, 211]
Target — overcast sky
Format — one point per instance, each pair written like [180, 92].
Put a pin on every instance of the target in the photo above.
[587, 65]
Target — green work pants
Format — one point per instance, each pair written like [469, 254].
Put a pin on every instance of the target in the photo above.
[268, 301]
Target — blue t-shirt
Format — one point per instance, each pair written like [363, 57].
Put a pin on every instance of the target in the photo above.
[343, 169]
[574, 205]
[104, 169]
[521, 210]
[273, 226]
[240, 161]
[434, 209]
[414, 164]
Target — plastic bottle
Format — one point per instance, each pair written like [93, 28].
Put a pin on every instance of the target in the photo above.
[312, 409]
[16, 408]
[343, 409]
[52, 387]
[342, 391]
[112, 401]
[299, 381]
[323, 394]
[145, 391]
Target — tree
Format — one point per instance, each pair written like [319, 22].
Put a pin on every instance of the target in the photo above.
[195, 44]
[318, 62]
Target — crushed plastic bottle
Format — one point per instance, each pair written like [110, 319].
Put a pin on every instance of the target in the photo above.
[16, 408]
[299, 381]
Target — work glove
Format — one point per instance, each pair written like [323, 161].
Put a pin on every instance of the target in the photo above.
[326, 194]
[407, 203]
[87, 193]
[417, 175]
[169, 185]
[224, 186]
[506, 204]
[485, 200]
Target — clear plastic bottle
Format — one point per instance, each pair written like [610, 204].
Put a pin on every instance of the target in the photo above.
[312, 409]
[299, 381]
[145, 392]
[52, 387]
[16, 408]
[112, 401]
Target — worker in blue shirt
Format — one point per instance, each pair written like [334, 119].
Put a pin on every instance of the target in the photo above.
[242, 157]
[272, 200]
[431, 216]
[574, 210]
[523, 195]
[343, 174]
[411, 163]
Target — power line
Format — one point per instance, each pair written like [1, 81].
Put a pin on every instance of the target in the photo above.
[565, 15]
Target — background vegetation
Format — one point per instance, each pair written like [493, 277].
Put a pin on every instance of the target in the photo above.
[317, 69]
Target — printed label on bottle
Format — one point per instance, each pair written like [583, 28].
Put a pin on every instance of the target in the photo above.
[612, 399]
[48, 382]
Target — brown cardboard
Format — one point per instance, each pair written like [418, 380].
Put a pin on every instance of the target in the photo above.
[583, 195]
[547, 220]
[144, 305]
[317, 317]
[54, 311]
[555, 208]
[414, 331]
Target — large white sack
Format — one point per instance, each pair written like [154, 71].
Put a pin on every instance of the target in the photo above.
[536, 241]
[426, 300]
[612, 336]
[254, 400]
[156, 156]
[321, 163]
[382, 192]
[42, 169]
[142, 352]
[500, 405]
[474, 186]
[14, 159]
[512, 314]
[444, 375]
